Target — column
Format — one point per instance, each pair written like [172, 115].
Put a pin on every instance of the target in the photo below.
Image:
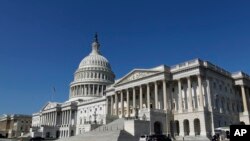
[62, 118]
[46, 119]
[42, 119]
[170, 98]
[50, 118]
[201, 106]
[190, 107]
[244, 99]
[134, 98]
[88, 89]
[180, 104]
[148, 96]
[247, 97]
[141, 97]
[116, 104]
[66, 117]
[112, 105]
[165, 98]
[128, 108]
[70, 112]
[156, 96]
[55, 118]
[103, 90]
[122, 103]
[85, 90]
[191, 127]
[98, 92]
[107, 106]
[82, 90]
[181, 127]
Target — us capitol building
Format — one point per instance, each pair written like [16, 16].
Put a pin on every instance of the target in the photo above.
[188, 100]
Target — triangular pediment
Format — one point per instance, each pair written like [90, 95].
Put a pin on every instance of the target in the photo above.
[49, 105]
[135, 75]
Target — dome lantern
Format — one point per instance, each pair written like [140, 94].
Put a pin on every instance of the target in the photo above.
[95, 45]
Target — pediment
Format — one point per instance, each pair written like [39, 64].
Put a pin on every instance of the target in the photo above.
[135, 75]
[49, 105]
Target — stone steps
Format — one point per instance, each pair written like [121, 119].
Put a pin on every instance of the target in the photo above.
[113, 131]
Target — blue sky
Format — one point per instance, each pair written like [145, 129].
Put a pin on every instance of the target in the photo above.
[42, 42]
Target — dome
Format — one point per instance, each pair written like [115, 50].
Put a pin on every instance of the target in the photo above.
[92, 76]
[94, 60]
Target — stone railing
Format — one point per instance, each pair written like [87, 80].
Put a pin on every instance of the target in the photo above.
[240, 74]
[216, 68]
[187, 64]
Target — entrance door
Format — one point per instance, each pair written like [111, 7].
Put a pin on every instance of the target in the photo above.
[47, 134]
[157, 128]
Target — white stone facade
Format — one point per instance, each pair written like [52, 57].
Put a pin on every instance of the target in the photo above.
[86, 107]
[190, 99]
[195, 96]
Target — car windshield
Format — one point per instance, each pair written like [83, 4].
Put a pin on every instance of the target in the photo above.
[143, 136]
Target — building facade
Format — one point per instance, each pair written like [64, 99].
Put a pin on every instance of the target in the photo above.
[188, 100]
[85, 109]
[13, 126]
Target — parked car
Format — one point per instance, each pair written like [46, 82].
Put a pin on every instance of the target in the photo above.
[158, 138]
[143, 138]
[37, 139]
[154, 138]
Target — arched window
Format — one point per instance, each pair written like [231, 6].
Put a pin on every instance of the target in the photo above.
[197, 128]
[186, 127]
[177, 128]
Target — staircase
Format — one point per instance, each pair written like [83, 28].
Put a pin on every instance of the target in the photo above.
[114, 131]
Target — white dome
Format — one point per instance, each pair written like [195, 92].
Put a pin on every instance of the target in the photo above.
[92, 76]
[94, 60]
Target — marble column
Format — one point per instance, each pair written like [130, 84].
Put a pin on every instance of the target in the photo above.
[66, 117]
[122, 103]
[140, 96]
[70, 116]
[108, 107]
[112, 104]
[97, 90]
[244, 99]
[156, 95]
[116, 104]
[128, 103]
[190, 106]
[88, 89]
[103, 89]
[247, 97]
[201, 106]
[180, 103]
[55, 118]
[61, 117]
[148, 96]
[85, 90]
[134, 101]
[165, 98]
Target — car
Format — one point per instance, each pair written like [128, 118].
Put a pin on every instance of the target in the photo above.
[158, 138]
[143, 138]
[37, 139]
